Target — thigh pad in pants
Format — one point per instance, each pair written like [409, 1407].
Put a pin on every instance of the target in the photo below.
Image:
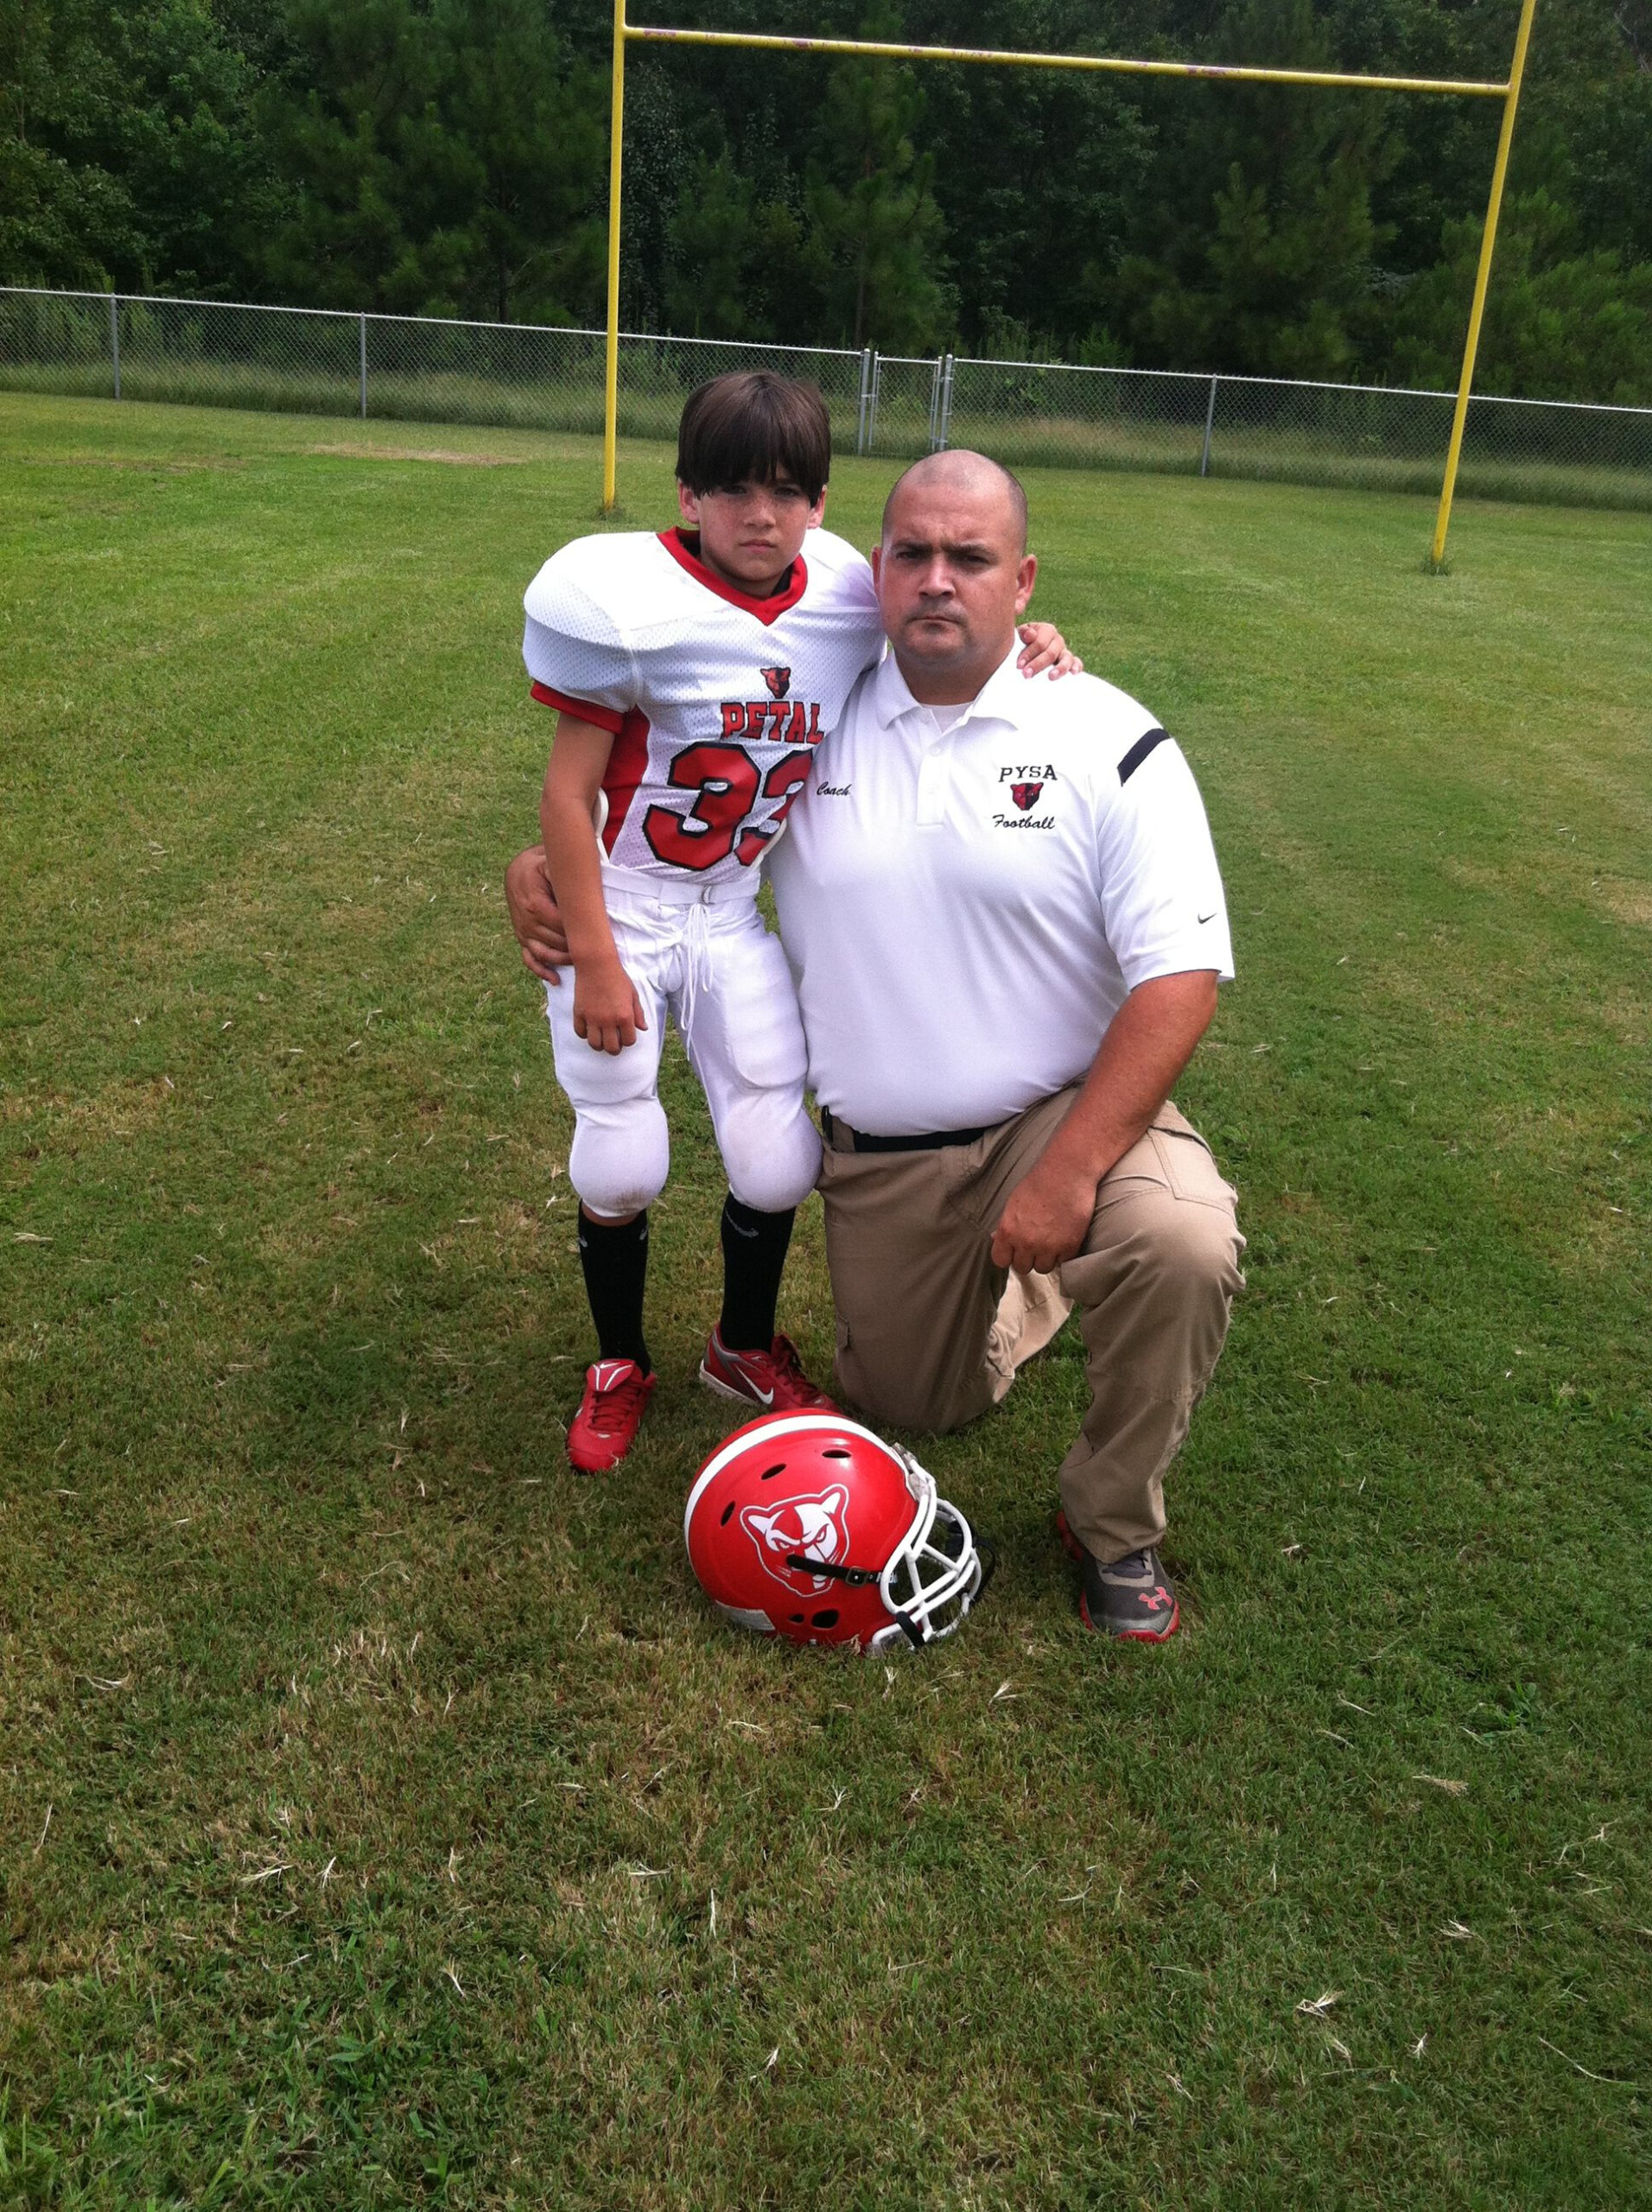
[621, 1151]
[744, 1042]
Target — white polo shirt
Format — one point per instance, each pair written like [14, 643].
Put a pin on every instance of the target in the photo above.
[965, 908]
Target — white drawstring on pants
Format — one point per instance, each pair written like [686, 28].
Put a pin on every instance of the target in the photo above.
[695, 945]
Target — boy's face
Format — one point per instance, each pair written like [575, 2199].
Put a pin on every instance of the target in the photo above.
[749, 534]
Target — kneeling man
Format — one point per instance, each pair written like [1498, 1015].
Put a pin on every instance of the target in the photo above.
[1007, 923]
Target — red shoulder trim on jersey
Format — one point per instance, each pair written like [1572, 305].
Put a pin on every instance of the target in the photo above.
[676, 542]
[628, 765]
[587, 711]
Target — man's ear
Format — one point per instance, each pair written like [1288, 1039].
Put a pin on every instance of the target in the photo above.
[817, 512]
[1025, 577]
[877, 564]
[688, 504]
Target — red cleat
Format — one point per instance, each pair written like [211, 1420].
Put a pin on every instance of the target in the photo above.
[611, 1412]
[772, 1380]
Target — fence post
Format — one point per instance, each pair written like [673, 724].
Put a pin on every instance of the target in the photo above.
[943, 406]
[872, 403]
[865, 400]
[364, 368]
[114, 337]
[1209, 417]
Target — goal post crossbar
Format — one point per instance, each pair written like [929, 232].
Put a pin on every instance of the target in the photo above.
[883, 50]
[1508, 91]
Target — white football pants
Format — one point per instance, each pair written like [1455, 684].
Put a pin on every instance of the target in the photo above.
[710, 961]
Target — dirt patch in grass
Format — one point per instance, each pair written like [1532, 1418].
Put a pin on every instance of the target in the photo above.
[1625, 899]
[150, 465]
[120, 1109]
[1628, 902]
[422, 452]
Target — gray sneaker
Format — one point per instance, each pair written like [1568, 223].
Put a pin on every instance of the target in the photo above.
[1130, 1597]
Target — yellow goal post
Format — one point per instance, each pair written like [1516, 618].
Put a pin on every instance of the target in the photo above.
[1508, 91]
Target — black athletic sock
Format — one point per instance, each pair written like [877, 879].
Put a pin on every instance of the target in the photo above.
[614, 1256]
[754, 1252]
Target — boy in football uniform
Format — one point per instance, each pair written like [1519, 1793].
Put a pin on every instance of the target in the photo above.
[694, 673]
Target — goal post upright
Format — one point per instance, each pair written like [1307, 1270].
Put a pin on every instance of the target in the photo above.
[1481, 282]
[880, 49]
[616, 167]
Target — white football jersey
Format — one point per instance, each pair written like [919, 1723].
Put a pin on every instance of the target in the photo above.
[716, 700]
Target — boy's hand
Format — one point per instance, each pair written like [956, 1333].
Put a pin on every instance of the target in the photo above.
[607, 1012]
[1046, 649]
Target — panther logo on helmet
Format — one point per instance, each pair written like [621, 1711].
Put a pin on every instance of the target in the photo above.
[800, 1529]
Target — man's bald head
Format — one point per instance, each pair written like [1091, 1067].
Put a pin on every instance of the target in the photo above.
[966, 476]
[954, 573]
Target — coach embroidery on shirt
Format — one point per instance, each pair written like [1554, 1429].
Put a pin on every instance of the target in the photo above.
[1026, 783]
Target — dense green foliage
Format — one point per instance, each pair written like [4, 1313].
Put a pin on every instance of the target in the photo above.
[385, 1821]
[448, 157]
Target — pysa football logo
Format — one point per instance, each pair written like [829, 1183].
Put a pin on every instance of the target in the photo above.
[1025, 796]
[778, 681]
[802, 1528]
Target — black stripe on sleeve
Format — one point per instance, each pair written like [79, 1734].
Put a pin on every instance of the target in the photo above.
[1139, 752]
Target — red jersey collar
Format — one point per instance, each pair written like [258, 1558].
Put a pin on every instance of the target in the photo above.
[686, 554]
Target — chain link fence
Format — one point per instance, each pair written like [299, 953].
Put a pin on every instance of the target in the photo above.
[317, 361]
[1025, 413]
[1035, 413]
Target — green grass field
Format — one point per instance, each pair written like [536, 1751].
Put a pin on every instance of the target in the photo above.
[384, 1821]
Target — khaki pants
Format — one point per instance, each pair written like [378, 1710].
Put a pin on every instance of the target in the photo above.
[929, 1333]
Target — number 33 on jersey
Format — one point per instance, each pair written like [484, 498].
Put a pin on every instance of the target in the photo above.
[716, 700]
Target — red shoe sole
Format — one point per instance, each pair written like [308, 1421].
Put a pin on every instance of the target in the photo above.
[1075, 1550]
[600, 1466]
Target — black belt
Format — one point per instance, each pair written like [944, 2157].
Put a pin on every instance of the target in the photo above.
[858, 1140]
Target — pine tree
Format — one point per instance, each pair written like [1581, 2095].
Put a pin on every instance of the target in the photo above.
[872, 242]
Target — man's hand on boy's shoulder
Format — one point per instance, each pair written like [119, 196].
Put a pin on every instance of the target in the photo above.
[535, 916]
[1046, 650]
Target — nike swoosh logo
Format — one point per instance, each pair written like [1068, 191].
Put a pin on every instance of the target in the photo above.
[739, 1231]
[762, 1397]
[1210, 917]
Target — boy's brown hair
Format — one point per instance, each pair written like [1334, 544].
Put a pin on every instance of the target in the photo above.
[750, 427]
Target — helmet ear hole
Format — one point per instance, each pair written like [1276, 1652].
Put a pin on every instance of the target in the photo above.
[826, 1618]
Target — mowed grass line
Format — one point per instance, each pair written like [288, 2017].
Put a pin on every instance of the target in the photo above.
[383, 1819]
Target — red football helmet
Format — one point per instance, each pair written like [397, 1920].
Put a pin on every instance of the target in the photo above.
[808, 1526]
